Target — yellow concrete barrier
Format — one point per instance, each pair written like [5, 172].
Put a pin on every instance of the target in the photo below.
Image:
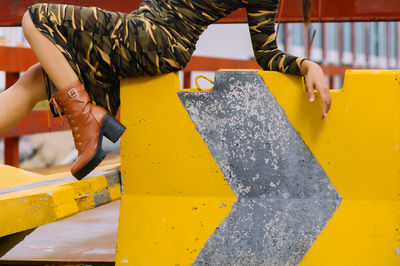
[175, 195]
[28, 200]
[358, 145]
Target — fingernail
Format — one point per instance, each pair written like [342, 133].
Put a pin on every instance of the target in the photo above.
[311, 100]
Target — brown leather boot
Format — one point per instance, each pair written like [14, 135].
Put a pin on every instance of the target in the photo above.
[89, 123]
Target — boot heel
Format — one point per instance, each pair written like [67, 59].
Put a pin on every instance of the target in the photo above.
[111, 128]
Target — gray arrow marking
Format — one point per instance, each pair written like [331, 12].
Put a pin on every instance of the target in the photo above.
[284, 196]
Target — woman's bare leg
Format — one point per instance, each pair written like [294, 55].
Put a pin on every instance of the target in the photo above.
[17, 101]
[51, 59]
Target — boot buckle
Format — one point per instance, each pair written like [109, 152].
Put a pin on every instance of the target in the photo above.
[72, 93]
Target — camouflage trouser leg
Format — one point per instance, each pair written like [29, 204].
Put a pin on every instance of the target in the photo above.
[102, 47]
[90, 39]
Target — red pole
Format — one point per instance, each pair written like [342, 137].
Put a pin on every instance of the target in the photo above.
[331, 82]
[387, 45]
[11, 145]
[286, 39]
[354, 42]
[397, 43]
[324, 46]
[186, 79]
[366, 29]
[306, 41]
[340, 42]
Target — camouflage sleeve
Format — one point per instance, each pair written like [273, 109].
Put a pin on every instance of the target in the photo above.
[261, 18]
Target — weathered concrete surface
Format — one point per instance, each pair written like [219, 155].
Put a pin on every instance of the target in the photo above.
[284, 196]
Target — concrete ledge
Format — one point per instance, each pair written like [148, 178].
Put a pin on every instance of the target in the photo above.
[29, 204]
[29, 211]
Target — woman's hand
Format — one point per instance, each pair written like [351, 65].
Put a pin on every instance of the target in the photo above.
[315, 79]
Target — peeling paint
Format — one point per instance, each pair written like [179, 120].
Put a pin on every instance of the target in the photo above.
[102, 197]
[397, 250]
[113, 178]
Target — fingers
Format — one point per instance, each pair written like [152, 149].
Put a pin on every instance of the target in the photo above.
[310, 89]
[325, 101]
[324, 95]
[315, 79]
[324, 110]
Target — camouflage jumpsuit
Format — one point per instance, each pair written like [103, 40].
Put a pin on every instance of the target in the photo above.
[103, 47]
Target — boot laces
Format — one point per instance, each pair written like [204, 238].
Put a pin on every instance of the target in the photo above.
[75, 132]
[54, 102]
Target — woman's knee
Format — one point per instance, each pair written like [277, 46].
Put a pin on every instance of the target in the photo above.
[32, 82]
[27, 24]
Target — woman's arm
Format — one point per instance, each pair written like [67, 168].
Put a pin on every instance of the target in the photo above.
[261, 18]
